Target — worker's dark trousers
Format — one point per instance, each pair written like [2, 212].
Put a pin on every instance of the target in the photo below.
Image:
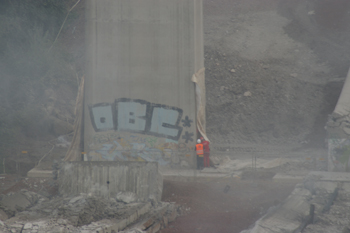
[200, 161]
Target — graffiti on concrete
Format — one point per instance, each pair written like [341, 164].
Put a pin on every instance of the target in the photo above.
[137, 116]
[102, 117]
[186, 122]
[128, 147]
[339, 153]
[137, 130]
[188, 137]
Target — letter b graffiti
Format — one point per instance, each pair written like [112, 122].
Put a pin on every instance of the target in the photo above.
[137, 116]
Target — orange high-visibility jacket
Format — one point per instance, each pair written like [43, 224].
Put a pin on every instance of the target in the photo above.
[199, 149]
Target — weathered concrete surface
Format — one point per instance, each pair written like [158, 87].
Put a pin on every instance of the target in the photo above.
[287, 217]
[108, 179]
[316, 189]
[139, 98]
[38, 173]
[339, 133]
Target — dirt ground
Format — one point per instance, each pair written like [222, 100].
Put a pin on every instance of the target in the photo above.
[274, 69]
[222, 204]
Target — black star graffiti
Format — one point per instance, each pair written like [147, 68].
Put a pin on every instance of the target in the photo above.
[188, 136]
[186, 122]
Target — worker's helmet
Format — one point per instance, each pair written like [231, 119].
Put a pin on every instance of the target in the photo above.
[199, 141]
[201, 138]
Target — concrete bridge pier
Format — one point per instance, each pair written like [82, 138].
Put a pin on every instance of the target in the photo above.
[140, 100]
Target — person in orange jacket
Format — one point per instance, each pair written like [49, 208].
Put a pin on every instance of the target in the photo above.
[199, 153]
[206, 152]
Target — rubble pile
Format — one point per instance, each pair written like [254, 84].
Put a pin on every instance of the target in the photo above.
[320, 204]
[83, 210]
[13, 203]
[330, 215]
[29, 212]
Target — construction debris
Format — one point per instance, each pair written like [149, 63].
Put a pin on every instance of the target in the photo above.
[304, 210]
[31, 212]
